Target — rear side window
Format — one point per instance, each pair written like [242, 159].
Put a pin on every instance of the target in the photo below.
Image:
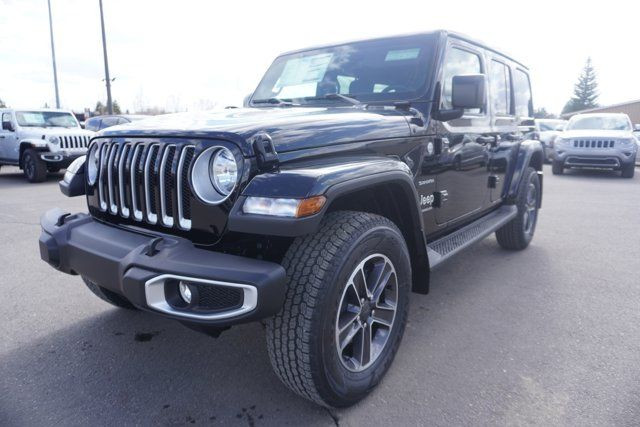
[522, 90]
[108, 122]
[459, 61]
[500, 81]
[92, 124]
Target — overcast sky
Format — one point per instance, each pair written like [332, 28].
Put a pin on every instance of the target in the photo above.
[190, 54]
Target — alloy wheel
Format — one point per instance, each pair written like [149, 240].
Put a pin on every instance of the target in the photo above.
[367, 312]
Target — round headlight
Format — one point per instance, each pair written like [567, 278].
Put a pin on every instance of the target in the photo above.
[224, 171]
[92, 165]
[54, 140]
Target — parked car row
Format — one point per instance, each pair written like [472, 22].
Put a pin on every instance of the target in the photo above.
[40, 141]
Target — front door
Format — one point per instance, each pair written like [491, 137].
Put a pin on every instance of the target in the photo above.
[462, 182]
[8, 141]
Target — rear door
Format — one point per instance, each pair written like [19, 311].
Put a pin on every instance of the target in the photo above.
[504, 123]
[461, 183]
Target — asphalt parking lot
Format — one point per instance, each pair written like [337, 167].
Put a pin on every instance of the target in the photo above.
[548, 336]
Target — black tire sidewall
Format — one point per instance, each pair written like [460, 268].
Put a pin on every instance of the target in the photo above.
[532, 177]
[343, 386]
[29, 165]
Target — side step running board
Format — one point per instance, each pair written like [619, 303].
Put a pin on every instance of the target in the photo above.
[442, 249]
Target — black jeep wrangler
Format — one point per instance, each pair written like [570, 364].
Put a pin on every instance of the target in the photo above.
[355, 170]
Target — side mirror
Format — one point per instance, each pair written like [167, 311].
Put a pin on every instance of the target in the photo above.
[468, 91]
[636, 127]
[8, 126]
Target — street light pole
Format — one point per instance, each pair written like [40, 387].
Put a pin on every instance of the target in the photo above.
[106, 63]
[53, 56]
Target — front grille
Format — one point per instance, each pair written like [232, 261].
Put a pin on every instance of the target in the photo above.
[74, 141]
[219, 297]
[147, 182]
[593, 143]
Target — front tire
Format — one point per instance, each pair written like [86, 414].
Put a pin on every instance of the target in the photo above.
[628, 170]
[108, 296]
[517, 233]
[35, 170]
[345, 310]
[557, 168]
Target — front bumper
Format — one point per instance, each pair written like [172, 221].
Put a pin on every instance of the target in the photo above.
[144, 268]
[594, 158]
[59, 159]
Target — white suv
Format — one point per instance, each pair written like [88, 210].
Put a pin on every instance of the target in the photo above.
[41, 141]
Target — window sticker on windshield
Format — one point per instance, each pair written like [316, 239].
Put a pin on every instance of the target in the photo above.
[33, 118]
[308, 69]
[401, 55]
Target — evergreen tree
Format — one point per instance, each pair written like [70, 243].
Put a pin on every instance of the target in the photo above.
[542, 113]
[2, 104]
[116, 108]
[585, 92]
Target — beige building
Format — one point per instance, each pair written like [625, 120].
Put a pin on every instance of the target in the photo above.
[631, 108]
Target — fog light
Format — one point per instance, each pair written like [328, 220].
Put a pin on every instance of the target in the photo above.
[185, 292]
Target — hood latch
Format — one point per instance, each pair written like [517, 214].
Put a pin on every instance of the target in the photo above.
[266, 154]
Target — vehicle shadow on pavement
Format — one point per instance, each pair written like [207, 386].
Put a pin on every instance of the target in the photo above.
[133, 367]
[593, 173]
[17, 178]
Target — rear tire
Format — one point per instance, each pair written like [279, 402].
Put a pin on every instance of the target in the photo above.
[34, 168]
[317, 342]
[108, 296]
[517, 233]
[557, 167]
[629, 170]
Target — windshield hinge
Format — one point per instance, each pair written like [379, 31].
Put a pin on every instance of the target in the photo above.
[266, 154]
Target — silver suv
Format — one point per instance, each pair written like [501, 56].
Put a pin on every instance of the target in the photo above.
[603, 140]
[41, 141]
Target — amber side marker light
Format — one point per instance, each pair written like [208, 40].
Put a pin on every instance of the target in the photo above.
[310, 206]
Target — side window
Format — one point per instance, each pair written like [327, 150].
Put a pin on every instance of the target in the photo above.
[108, 122]
[522, 91]
[92, 124]
[500, 81]
[458, 62]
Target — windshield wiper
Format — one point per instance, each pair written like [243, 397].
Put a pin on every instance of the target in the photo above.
[342, 97]
[274, 101]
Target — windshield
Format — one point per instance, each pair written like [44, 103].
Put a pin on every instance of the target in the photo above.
[548, 125]
[46, 119]
[600, 122]
[394, 69]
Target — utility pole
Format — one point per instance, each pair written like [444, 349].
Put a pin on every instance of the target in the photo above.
[106, 63]
[53, 56]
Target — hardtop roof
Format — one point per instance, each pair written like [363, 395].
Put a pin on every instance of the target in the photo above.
[442, 33]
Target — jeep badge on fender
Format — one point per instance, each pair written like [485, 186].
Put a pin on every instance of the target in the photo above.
[318, 208]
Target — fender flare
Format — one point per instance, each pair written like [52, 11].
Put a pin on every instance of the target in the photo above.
[529, 151]
[37, 144]
[334, 179]
[331, 179]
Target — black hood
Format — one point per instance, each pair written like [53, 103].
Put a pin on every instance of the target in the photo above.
[290, 128]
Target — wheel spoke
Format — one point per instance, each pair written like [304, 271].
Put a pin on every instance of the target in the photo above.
[362, 351]
[382, 283]
[347, 334]
[360, 285]
[383, 314]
